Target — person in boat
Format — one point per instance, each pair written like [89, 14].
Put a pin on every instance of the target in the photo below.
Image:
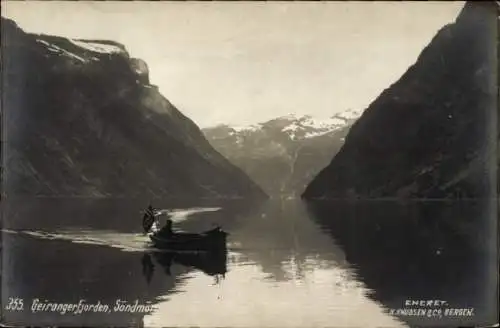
[150, 210]
[150, 219]
[167, 230]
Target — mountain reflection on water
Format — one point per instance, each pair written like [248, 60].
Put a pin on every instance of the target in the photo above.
[420, 250]
[287, 264]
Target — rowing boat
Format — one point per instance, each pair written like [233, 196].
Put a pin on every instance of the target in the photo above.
[208, 240]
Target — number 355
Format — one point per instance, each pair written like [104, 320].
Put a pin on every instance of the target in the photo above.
[15, 304]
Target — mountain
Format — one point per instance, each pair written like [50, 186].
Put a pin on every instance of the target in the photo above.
[432, 133]
[282, 155]
[82, 119]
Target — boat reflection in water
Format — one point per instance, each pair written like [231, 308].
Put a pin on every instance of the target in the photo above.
[212, 263]
[205, 251]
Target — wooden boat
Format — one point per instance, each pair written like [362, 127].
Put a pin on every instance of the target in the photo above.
[209, 240]
[167, 239]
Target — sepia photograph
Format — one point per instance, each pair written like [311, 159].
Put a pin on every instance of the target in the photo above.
[249, 164]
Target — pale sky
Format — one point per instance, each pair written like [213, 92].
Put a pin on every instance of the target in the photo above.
[247, 62]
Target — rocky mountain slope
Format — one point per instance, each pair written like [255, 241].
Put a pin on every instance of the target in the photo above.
[284, 154]
[81, 119]
[432, 133]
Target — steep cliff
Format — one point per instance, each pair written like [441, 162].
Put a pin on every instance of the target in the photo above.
[432, 133]
[80, 118]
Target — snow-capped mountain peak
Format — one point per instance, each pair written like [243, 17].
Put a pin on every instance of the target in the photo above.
[82, 51]
[240, 128]
[308, 127]
[297, 127]
[284, 153]
[97, 46]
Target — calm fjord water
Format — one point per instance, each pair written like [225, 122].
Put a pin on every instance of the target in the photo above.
[289, 263]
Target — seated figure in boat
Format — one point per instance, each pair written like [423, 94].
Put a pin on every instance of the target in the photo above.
[166, 231]
[151, 223]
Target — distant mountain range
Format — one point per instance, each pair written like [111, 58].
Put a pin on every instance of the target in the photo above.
[82, 119]
[282, 155]
[432, 133]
